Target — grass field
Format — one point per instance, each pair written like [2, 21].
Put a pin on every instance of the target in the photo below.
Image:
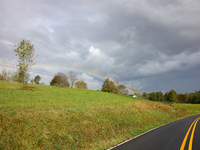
[46, 117]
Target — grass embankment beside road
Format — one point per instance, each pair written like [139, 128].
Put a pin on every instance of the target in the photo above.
[47, 117]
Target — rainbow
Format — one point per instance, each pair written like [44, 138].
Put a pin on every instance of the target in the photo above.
[62, 68]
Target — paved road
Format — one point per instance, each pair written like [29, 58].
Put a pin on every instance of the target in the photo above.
[168, 137]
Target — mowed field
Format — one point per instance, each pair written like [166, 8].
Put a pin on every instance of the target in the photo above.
[47, 117]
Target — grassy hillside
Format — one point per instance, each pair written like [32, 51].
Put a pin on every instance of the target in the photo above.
[47, 117]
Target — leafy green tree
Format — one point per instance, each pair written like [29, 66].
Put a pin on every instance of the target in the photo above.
[172, 96]
[81, 85]
[60, 79]
[153, 96]
[25, 51]
[37, 79]
[166, 98]
[194, 97]
[145, 95]
[160, 96]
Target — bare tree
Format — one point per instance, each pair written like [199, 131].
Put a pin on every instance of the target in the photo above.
[6, 74]
[14, 76]
[72, 78]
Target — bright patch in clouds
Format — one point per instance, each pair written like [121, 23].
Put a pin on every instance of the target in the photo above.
[94, 50]
[143, 43]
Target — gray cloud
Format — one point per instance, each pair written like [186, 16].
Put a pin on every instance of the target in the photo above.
[136, 42]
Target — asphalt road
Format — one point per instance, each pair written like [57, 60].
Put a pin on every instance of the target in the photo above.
[168, 137]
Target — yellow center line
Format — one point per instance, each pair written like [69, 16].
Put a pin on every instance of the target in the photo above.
[192, 135]
[186, 136]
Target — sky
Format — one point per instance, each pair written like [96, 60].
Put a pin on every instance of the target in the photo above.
[151, 45]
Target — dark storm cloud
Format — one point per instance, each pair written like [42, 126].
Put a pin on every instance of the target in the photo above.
[135, 42]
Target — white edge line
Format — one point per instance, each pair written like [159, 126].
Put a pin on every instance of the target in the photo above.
[146, 132]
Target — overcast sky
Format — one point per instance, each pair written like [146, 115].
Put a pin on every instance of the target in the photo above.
[153, 45]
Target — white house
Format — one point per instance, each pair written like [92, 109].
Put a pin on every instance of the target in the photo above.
[134, 95]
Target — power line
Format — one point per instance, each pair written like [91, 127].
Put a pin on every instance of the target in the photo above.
[40, 70]
[43, 72]
[33, 71]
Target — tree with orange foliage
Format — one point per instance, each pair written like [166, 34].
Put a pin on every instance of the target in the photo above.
[81, 85]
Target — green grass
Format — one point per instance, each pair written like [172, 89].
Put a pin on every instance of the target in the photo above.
[46, 117]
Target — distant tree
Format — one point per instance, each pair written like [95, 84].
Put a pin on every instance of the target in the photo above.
[42, 83]
[37, 79]
[153, 96]
[166, 98]
[194, 97]
[81, 85]
[190, 98]
[172, 96]
[145, 95]
[183, 97]
[160, 96]
[25, 51]
[56, 81]
[14, 76]
[72, 78]
[60, 79]
[122, 89]
[6, 74]
[109, 86]
[32, 81]
[1, 77]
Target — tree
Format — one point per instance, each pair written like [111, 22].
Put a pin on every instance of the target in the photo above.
[153, 96]
[6, 74]
[81, 85]
[37, 79]
[194, 97]
[60, 79]
[25, 51]
[172, 96]
[183, 97]
[1, 77]
[160, 96]
[145, 95]
[109, 86]
[56, 81]
[14, 76]
[32, 81]
[72, 78]
[122, 89]
[166, 98]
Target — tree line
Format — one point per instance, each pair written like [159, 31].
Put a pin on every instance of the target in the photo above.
[114, 87]
[172, 96]
[26, 59]
[62, 80]
[25, 52]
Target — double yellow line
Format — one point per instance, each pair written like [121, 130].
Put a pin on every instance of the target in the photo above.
[191, 136]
